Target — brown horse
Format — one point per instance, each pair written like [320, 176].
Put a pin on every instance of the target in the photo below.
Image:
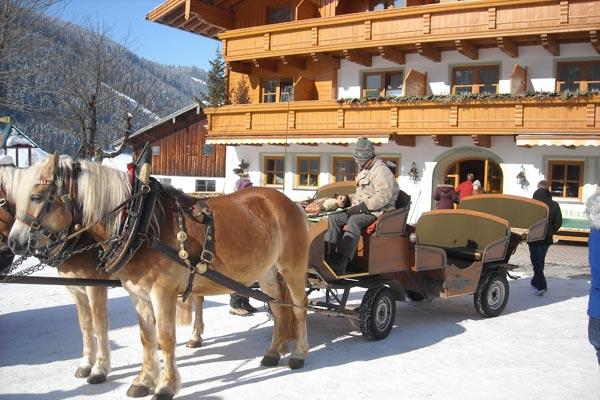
[259, 235]
[90, 301]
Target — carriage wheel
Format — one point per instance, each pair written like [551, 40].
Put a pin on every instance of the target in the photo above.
[492, 294]
[376, 313]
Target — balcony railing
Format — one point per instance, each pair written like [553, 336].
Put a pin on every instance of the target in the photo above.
[411, 29]
[499, 116]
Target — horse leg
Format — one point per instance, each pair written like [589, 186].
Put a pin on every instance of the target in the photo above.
[296, 286]
[145, 382]
[196, 339]
[269, 285]
[165, 302]
[99, 304]
[84, 314]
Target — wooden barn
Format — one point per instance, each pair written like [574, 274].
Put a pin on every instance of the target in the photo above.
[180, 155]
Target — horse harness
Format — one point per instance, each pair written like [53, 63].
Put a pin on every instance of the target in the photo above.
[68, 196]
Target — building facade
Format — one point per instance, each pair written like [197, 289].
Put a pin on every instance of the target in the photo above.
[506, 89]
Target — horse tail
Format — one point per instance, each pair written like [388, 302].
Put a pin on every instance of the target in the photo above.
[287, 325]
[184, 311]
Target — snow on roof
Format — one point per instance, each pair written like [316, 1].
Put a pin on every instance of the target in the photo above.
[119, 162]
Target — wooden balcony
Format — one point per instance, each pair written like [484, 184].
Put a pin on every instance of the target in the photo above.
[318, 121]
[427, 30]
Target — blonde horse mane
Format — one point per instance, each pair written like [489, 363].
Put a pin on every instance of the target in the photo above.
[99, 190]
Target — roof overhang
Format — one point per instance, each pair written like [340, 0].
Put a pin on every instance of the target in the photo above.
[557, 139]
[206, 18]
[282, 140]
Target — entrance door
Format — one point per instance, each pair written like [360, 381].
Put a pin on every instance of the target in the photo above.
[486, 171]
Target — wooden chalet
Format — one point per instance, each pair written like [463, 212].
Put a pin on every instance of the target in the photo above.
[506, 89]
[180, 155]
[14, 143]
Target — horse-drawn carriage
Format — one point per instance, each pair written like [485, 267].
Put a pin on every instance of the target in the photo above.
[447, 253]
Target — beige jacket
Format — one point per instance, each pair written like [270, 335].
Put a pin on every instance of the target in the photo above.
[376, 187]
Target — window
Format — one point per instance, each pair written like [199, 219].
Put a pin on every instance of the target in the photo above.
[307, 171]
[274, 89]
[155, 150]
[344, 169]
[566, 178]
[208, 149]
[205, 185]
[164, 181]
[377, 5]
[279, 14]
[382, 84]
[475, 79]
[393, 164]
[582, 76]
[274, 171]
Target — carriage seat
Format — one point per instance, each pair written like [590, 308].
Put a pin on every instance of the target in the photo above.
[389, 223]
[463, 253]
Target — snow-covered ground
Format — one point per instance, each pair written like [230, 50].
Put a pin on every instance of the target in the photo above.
[537, 349]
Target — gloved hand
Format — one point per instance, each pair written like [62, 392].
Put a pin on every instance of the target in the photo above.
[357, 209]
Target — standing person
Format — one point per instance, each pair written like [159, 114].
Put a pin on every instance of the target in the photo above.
[376, 192]
[465, 188]
[538, 250]
[445, 197]
[593, 212]
[238, 304]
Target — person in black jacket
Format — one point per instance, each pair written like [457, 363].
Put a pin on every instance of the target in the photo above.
[538, 250]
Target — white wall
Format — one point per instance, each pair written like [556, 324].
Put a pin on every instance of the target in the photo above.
[188, 183]
[541, 68]
[424, 154]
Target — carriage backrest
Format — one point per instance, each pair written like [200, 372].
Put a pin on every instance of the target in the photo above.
[520, 212]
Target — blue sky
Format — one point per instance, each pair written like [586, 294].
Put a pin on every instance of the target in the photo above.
[151, 40]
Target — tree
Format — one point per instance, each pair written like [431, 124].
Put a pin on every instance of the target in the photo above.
[22, 27]
[97, 83]
[216, 91]
[241, 93]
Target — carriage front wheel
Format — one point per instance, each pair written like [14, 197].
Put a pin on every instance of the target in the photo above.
[492, 294]
[376, 313]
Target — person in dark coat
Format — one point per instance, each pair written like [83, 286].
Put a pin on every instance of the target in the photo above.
[538, 250]
[445, 197]
[238, 304]
[593, 213]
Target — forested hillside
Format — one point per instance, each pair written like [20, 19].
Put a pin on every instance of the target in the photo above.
[62, 68]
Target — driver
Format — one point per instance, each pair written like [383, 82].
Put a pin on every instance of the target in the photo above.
[376, 192]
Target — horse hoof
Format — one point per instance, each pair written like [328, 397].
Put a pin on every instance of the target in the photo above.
[269, 361]
[162, 396]
[194, 344]
[83, 372]
[138, 391]
[164, 393]
[296, 363]
[96, 378]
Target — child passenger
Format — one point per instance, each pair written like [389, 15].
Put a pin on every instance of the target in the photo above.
[328, 204]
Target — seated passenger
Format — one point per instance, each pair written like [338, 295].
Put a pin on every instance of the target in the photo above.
[376, 192]
[328, 204]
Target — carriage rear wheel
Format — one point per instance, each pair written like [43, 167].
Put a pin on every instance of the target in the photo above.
[492, 294]
[376, 313]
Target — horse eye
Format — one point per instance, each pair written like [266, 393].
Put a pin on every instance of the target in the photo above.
[36, 198]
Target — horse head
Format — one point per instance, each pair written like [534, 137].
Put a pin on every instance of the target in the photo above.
[7, 206]
[43, 209]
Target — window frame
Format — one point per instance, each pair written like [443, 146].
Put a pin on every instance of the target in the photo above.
[476, 85]
[155, 149]
[583, 74]
[207, 183]
[209, 153]
[333, 167]
[298, 173]
[278, 89]
[279, 7]
[265, 172]
[396, 160]
[383, 76]
[565, 181]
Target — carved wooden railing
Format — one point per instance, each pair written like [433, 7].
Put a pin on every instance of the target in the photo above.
[418, 27]
[499, 116]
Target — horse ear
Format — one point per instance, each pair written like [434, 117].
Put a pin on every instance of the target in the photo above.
[51, 167]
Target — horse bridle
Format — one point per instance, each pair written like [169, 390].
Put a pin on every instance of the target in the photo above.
[36, 224]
